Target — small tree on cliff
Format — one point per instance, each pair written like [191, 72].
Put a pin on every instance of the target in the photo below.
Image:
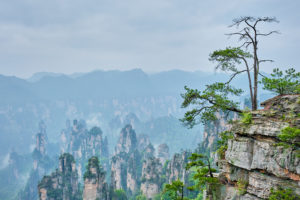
[175, 190]
[283, 83]
[236, 60]
[203, 171]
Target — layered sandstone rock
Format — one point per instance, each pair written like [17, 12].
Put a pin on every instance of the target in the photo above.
[176, 167]
[61, 184]
[151, 177]
[125, 164]
[254, 158]
[86, 143]
[95, 186]
[42, 164]
[127, 141]
[163, 153]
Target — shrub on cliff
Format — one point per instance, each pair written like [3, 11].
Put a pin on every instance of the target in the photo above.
[280, 83]
[283, 194]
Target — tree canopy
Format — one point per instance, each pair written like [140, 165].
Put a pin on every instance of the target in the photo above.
[217, 97]
[280, 83]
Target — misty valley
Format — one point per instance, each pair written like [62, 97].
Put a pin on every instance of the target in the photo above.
[135, 100]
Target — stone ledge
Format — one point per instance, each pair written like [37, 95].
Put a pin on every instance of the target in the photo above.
[240, 152]
[260, 126]
[251, 154]
[260, 184]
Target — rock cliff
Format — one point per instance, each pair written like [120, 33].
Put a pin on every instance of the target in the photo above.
[84, 143]
[125, 164]
[163, 153]
[176, 167]
[127, 142]
[255, 162]
[95, 186]
[134, 166]
[42, 164]
[143, 141]
[211, 131]
[151, 177]
[61, 184]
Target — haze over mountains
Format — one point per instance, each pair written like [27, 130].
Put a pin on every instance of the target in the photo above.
[98, 97]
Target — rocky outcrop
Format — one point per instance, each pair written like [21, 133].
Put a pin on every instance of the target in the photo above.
[131, 119]
[125, 164]
[65, 137]
[95, 186]
[127, 142]
[86, 143]
[119, 171]
[42, 164]
[255, 161]
[211, 133]
[61, 184]
[143, 141]
[133, 172]
[121, 120]
[151, 177]
[176, 167]
[163, 153]
[125, 172]
[41, 139]
[148, 152]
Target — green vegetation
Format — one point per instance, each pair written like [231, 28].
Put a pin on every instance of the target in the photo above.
[216, 97]
[283, 194]
[202, 176]
[223, 143]
[203, 171]
[93, 163]
[242, 186]
[287, 137]
[246, 118]
[139, 196]
[175, 190]
[95, 131]
[119, 195]
[55, 193]
[69, 158]
[289, 134]
[281, 83]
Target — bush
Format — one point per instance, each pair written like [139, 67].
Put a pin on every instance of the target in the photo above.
[287, 137]
[242, 186]
[288, 134]
[283, 84]
[224, 137]
[283, 194]
[119, 195]
[246, 118]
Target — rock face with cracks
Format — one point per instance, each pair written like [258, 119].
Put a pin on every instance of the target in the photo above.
[125, 164]
[95, 187]
[254, 158]
[151, 176]
[84, 143]
[61, 184]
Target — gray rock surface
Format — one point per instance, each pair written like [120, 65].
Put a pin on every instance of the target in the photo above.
[253, 156]
[240, 152]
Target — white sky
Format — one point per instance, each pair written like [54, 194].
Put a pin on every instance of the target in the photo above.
[67, 36]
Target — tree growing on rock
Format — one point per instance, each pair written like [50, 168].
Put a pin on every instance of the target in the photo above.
[283, 83]
[203, 175]
[175, 190]
[236, 60]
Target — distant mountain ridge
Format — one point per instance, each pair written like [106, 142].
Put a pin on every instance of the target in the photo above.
[108, 84]
[97, 96]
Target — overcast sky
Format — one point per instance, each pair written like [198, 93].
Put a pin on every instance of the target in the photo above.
[67, 36]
